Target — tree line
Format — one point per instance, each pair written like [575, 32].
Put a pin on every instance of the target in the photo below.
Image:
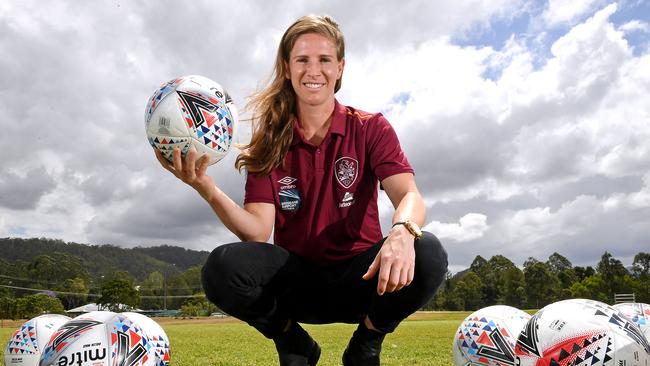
[45, 275]
[499, 281]
[100, 260]
[55, 282]
[53, 276]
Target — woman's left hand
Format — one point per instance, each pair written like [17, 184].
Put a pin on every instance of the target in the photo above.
[395, 261]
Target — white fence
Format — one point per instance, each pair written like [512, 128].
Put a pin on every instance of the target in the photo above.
[619, 298]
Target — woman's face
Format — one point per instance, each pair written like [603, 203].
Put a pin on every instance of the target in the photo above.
[313, 69]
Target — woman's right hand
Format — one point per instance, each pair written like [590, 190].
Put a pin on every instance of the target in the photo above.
[190, 170]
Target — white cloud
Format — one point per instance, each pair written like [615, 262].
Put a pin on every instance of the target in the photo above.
[470, 227]
[634, 201]
[635, 26]
[567, 11]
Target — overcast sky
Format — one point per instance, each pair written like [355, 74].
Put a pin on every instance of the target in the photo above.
[527, 122]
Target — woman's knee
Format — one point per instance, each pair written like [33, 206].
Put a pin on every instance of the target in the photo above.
[431, 261]
[234, 274]
[215, 274]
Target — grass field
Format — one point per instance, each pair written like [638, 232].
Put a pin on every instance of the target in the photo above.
[423, 339]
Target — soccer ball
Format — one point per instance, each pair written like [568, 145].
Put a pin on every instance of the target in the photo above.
[156, 335]
[28, 341]
[101, 338]
[581, 332]
[191, 111]
[639, 313]
[488, 336]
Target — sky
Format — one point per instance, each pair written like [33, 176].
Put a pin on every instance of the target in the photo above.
[527, 122]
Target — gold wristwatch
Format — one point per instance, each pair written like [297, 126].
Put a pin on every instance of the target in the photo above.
[412, 227]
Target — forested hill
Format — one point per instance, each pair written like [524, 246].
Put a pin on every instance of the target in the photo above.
[102, 259]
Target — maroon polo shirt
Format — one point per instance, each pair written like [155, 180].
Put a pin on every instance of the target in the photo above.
[326, 196]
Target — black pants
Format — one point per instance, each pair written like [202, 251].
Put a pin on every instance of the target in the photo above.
[265, 286]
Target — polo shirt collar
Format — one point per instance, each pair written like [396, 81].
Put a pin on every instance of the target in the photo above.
[339, 116]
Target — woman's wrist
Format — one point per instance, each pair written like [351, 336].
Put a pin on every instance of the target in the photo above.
[400, 230]
[208, 193]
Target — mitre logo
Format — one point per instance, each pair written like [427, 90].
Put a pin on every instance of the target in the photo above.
[83, 357]
[71, 329]
[200, 109]
[346, 171]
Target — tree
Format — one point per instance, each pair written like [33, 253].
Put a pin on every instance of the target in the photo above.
[641, 271]
[8, 307]
[596, 287]
[642, 290]
[42, 269]
[542, 286]
[77, 292]
[583, 272]
[119, 289]
[558, 263]
[445, 299]
[30, 306]
[153, 285]
[55, 268]
[198, 306]
[192, 278]
[177, 286]
[479, 266]
[3, 264]
[580, 291]
[490, 279]
[513, 287]
[502, 281]
[469, 291]
[641, 266]
[614, 275]
[564, 271]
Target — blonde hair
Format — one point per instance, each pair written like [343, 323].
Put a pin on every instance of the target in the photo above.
[274, 107]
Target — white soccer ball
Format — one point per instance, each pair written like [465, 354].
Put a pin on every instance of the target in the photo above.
[581, 332]
[191, 111]
[639, 313]
[27, 342]
[488, 336]
[101, 338]
[156, 335]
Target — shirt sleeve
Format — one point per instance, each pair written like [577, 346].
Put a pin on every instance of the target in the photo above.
[258, 189]
[385, 153]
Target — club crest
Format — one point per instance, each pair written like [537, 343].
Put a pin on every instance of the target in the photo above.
[347, 170]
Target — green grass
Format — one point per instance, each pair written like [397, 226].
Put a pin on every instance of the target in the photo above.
[423, 339]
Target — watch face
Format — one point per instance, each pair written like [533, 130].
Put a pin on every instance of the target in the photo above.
[414, 229]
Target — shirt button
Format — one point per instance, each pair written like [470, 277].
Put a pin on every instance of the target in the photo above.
[318, 151]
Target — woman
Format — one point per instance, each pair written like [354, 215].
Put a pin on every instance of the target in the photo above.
[313, 169]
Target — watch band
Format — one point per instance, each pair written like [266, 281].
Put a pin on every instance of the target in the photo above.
[411, 227]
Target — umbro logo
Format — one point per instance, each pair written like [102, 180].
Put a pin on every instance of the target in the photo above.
[287, 180]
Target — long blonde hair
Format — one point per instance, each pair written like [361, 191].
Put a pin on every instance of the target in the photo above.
[274, 107]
